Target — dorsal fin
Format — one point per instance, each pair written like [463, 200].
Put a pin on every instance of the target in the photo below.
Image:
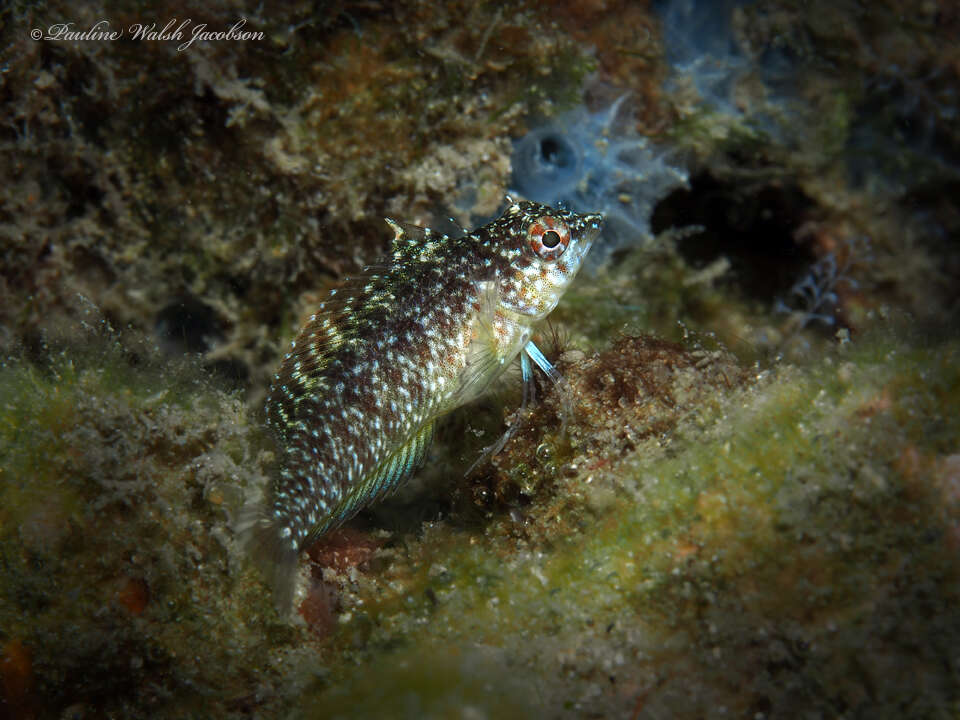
[410, 239]
[334, 324]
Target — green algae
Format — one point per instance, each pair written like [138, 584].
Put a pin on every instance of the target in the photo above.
[437, 682]
[114, 471]
[742, 557]
[774, 531]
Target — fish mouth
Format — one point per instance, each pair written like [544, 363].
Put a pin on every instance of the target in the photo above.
[593, 219]
[591, 225]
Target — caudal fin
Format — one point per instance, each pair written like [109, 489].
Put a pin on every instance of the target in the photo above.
[261, 537]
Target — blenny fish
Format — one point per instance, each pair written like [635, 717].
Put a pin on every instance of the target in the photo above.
[355, 401]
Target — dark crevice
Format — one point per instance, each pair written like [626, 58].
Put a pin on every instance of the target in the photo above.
[754, 229]
[186, 326]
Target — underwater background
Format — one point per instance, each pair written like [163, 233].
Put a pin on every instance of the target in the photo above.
[744, 501]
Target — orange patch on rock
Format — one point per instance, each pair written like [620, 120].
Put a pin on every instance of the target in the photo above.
[877, 404]
[319, 607]
[685, 549]
[133, 595]
[16, 681]
[343, 549]
[915, 468]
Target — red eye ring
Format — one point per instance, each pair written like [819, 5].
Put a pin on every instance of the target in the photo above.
[548, 237]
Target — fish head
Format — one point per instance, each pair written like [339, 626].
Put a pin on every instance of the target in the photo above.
[546, 247]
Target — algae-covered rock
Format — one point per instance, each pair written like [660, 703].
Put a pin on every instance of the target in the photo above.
[743, 498]
[779, 553]
[116, 554]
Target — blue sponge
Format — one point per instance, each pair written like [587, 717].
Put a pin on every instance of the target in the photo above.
[594, 162]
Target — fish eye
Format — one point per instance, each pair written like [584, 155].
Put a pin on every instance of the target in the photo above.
[548, 237]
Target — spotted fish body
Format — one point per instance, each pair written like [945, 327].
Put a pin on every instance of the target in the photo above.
[356, 399]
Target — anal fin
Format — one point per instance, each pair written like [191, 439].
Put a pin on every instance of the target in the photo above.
[388, 475]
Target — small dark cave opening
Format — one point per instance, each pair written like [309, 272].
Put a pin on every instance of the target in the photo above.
[187, 326]
[754, 227]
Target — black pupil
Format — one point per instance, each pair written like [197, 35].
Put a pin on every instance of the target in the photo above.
[550, 239]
